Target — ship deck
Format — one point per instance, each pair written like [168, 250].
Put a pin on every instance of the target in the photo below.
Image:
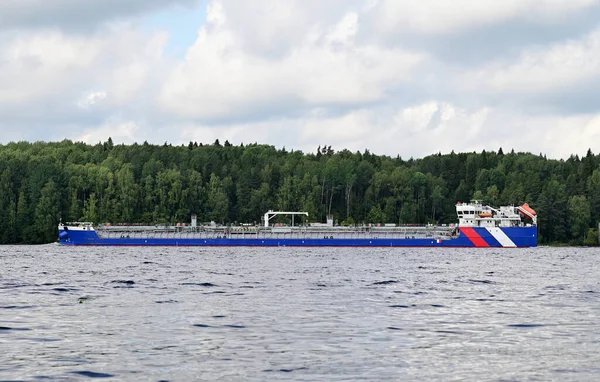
[301, 232]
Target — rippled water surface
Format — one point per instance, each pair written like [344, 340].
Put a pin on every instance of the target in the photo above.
[182, 314]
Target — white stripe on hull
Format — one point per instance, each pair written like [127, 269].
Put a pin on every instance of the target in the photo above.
[502, 238]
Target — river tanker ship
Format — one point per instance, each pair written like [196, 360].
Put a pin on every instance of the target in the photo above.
[478, 226]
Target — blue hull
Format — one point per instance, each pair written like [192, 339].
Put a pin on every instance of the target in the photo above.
[474, 237]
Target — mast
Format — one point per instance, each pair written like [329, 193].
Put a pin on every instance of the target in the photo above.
[271, 214]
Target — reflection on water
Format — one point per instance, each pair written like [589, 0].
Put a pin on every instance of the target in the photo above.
[299, 314]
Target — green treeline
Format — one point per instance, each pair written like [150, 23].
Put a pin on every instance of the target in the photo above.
[41, 183]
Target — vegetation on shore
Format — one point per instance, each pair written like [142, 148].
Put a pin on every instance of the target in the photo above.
[41, 183]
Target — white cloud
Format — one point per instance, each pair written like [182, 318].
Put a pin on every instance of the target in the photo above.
[302, 74]
[91, 99]
[56, 68]
[347, 129]
[75, 14]
[219, 79]
[125, 132]
[274, 27]
[465, 130]
[417, 118]
[39, 64]
[410, 132]
[258, 132]
[442, 16]
[344, 31]
[543, 69]
[562, 136]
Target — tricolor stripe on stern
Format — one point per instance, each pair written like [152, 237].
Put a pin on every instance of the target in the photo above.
[474, 237]
[502, 238]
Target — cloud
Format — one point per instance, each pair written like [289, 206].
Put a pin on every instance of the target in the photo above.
[91, 99]
[220, 80]
[558, 78]
[442, 17]
[124, 132]
[32, 64]
[413, 131]
[75, 14]
[54, 68]
[409, 78]
[277, 27]
[545, 69]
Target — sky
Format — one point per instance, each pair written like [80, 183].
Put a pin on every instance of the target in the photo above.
[409, 78]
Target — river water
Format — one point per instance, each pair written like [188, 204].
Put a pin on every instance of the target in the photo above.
[327, 314]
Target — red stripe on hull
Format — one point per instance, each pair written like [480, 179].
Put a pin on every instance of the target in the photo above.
[474, 237]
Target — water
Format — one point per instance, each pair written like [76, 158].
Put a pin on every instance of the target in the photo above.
[181, 314]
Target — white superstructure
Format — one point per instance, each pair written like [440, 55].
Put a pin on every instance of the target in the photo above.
[475, 214]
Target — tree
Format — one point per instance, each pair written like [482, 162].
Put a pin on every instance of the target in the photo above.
[90, 209]
[127, 192]
[196, 193]
[492, 194]
[462, 192]
[109, 145]
[218, 203]
[348, 178]
[419, 184]
[478, 195]
[331, 178]
[286, 195]
[47, 214]
[593, 192]
[260, 201]
[6, 205]
[579, 217]
[11, 234]
[591, 238]
[437, 196]
[164, 183]
[376, 215]
[408, 212]
[22, 218]
[552, 212]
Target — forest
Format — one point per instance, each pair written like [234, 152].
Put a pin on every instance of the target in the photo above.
[43, 183]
